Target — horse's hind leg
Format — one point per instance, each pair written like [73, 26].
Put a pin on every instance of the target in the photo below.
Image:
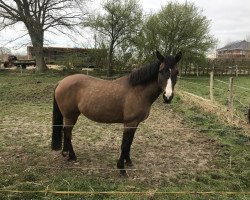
[128, 136]
[67, 144]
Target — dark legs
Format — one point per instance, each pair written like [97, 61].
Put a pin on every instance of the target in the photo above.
[67, 145]
[128, 136]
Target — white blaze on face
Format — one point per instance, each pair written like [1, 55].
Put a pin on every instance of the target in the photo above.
[168, 89]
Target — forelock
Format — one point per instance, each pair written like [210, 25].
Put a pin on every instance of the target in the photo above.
[170, 61]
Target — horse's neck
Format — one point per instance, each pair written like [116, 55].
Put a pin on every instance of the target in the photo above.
[151, 91]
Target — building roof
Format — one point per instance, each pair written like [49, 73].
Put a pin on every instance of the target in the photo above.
[64, 49]
[242, 45]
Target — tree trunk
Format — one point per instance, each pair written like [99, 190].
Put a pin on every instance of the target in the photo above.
[110, 60]
[39, 57]
[186, 68]
[37, 42]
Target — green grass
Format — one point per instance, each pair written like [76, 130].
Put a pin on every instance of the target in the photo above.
[27, 163]
[234, 153]
[200, 87]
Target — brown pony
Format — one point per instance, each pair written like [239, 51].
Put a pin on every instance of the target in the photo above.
[125, 100]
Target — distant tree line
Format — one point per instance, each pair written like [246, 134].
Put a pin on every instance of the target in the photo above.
[231, 62]
[129, 35]
[220, 65]
[132, 37]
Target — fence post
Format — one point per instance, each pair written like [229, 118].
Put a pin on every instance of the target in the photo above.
[248, 114]
[21, 70]
[211, 85]
[230, 98]
[236, 71]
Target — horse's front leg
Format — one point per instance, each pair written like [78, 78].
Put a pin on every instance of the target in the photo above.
[128, 136]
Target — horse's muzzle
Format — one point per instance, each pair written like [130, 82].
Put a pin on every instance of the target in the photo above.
[167, 100]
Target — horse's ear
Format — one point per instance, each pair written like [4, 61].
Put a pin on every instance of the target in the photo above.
[178, 56]
[159, 56]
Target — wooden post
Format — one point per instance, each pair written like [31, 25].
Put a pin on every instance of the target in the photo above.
[236, 71]
[248, 114]
[21, 69]
[230, 162]
[211, 85]
[230, 99]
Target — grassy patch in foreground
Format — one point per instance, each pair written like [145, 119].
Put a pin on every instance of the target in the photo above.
[233, 162]
[26, 101]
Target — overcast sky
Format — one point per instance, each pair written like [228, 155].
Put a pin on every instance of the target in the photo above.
[230, 21]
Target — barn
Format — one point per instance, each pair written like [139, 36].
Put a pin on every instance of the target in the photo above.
[59, 54]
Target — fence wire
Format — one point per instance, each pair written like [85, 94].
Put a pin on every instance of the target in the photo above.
[121, 193]
[165, 128]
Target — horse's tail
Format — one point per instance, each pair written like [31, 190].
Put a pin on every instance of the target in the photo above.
[57, 126]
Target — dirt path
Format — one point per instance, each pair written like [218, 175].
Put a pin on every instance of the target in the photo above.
[163, 146]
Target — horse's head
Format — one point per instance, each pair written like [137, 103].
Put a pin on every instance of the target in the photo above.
[167, 76]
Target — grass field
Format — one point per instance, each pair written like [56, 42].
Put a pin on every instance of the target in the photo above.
[241, 90]
[178, 148]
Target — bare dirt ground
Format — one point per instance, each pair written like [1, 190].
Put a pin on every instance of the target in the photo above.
[164, 145]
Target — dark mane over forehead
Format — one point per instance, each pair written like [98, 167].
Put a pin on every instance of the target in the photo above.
[170, 61]
[144, 74]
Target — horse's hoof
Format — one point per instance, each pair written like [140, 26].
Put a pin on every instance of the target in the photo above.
[65, 153]
[129, 163]
[123, 174]
[72, 158]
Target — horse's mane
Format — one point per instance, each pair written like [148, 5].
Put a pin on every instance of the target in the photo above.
[144, 74]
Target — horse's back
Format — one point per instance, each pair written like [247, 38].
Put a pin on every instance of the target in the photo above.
[98, 99]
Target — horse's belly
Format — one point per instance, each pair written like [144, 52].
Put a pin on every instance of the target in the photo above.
[102, 101]
[104, 110]
[104, 115]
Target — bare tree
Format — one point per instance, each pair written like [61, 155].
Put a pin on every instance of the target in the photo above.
[39, 16]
